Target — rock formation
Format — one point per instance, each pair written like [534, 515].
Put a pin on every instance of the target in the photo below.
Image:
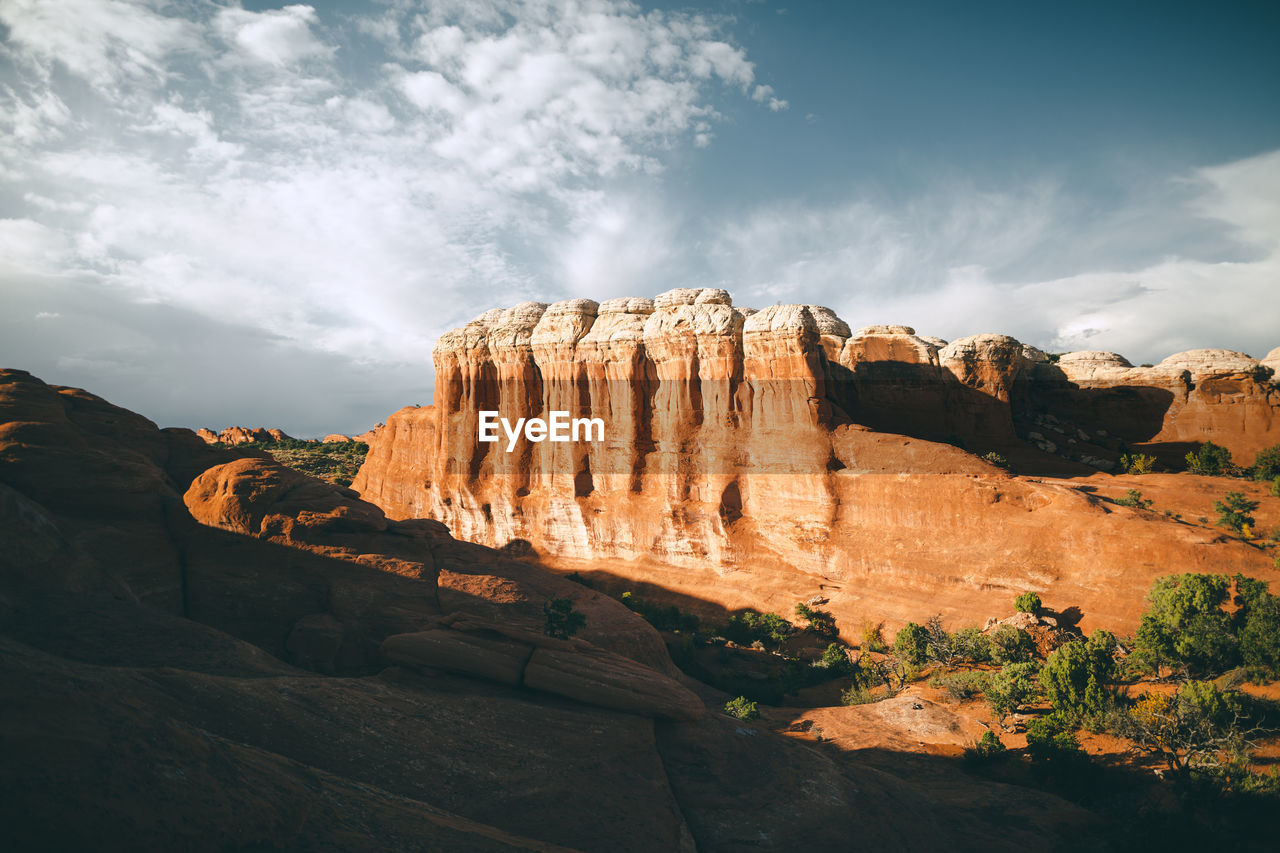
[207, 653]
[754, 458]
[242, 435]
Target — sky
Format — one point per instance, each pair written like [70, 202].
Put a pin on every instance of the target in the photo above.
[218, 213]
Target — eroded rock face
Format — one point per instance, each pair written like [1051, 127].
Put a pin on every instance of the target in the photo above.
[1098, 400]
[754, 454]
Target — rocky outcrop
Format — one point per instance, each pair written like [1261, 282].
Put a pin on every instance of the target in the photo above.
[173, 684]
[242, 435]
[572, 668]
[1097, 402]
[757, 458]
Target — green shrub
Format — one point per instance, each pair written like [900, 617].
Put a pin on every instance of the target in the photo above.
[1051, 739]
[972, 645]
[1234, 511]
[1028, 602]
[1133, 498]
[562, 621]
[1137, 463]
[820, 622]
[1209, 460]
[1258, 626]
[1186, 626]
[770, 629]
[1011, 645]
[835, 660]
[940, 645]
[996, 459]
[1076, 675]
[990, 748]
[1266, 465]
[1191, 729]
[858, 694]
[961, 685]
[742, 708]
[911, 644]
[1012, 687]
[873, 637]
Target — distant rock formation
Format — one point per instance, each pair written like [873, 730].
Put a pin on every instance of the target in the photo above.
[753, 457]
[242, 435]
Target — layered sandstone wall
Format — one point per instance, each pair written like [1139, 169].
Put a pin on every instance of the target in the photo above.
[737, 440]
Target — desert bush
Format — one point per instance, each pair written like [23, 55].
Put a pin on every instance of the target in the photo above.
[1209, 460]
[1076, 675]
[742, 708]
[1051, 739]
[1011, 645]
[1012, 687]
[893, 672]
[1133, 498]
[972, 645]
[996, 459]
[562, 621]
[961, 685]
[1186, 626]
[820, 622]
[858, 694]
[911, 644]
[770, 629]
[873, 637]
[1028, 602]
[1257, 622]
[940, 644]
[988, 749]
[1200, 726]
[1266, 465]
[835, 661]
[1234, 512]
[1137, 463]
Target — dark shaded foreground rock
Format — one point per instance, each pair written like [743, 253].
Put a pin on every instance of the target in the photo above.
[153, 695]
[576, 670]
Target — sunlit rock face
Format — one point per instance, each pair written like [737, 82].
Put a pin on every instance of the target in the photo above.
[776, 453]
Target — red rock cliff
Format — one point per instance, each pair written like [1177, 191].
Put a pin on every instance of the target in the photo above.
[740, 466]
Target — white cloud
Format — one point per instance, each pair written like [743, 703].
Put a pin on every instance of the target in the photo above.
[26, 246]
[278, 37]
[764, 94]
[105, 42]
[934, 263]
[231, 167]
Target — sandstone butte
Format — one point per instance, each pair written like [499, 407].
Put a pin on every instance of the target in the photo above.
[761, 458]
[242, 435]
[203, 650]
